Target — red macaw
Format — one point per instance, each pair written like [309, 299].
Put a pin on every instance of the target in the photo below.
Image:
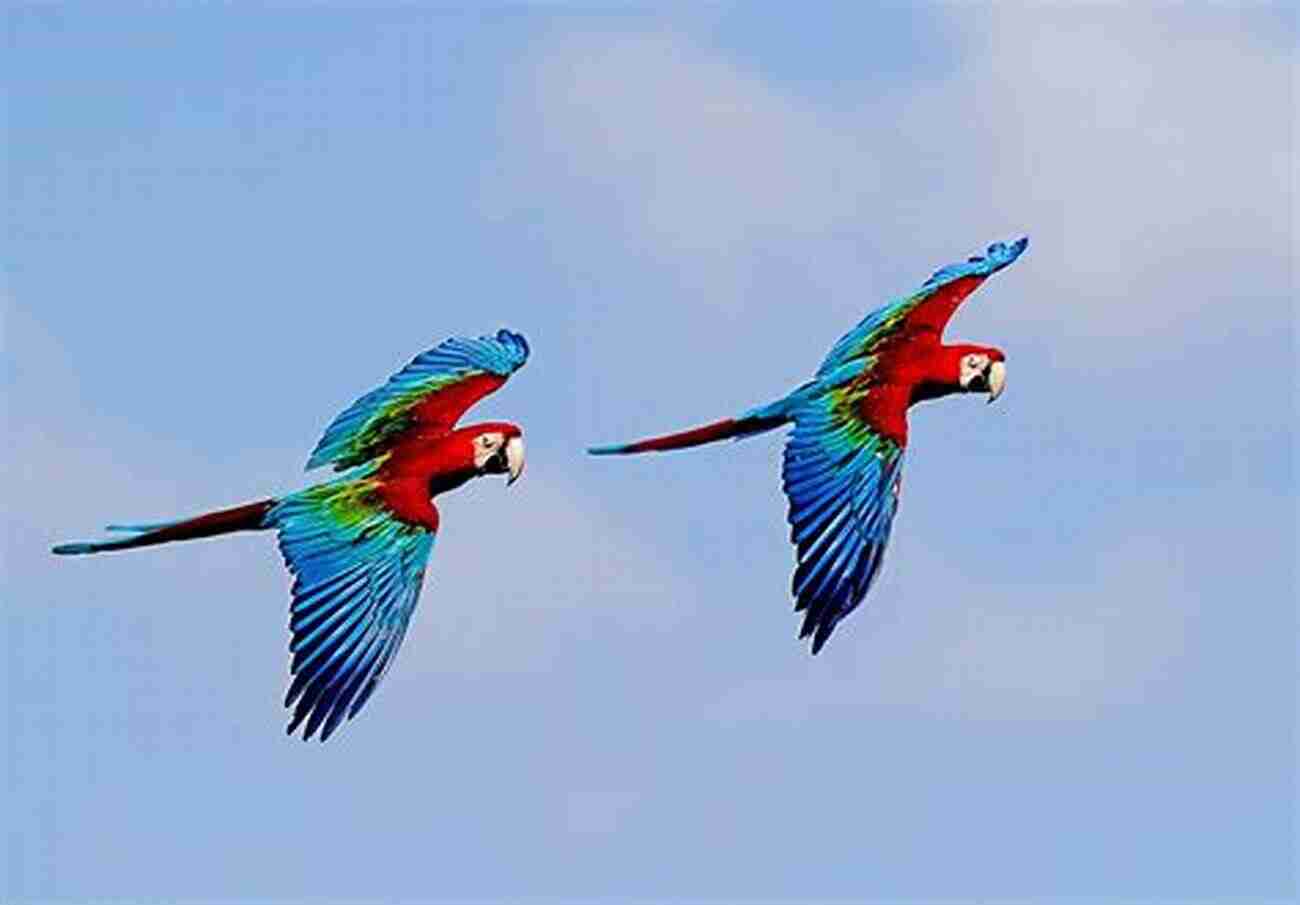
[843, 462]
[358, 545]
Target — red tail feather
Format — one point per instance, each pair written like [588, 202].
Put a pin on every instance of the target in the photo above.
[718, 430]
[249, 517]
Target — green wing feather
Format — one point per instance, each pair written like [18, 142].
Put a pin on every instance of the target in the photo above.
[435, 389]
[357, 577]
[943, 292]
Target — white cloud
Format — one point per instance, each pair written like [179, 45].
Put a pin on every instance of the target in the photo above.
[1151, 152]
[1148, 158]
[1070, 652]
[967, 649]
[701, 159]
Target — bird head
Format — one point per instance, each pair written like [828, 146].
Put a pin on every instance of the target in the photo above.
[981, 369]
[498, 448]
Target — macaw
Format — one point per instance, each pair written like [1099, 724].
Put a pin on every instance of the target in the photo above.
[843, 461]
[357, 545]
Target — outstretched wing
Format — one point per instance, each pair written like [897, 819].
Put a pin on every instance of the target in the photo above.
[357, 576]
[433, 391]
[928, 310]
[841, 477]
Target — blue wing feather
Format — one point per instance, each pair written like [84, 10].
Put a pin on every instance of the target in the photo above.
[357, 577]
[358, 432]
[841, 477]
[880, 322]
[841, 481]
[998, 256]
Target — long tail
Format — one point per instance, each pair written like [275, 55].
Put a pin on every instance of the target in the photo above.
[249, 517]
[755, 421]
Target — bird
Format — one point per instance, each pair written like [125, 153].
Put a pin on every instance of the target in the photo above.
[357, 545]
[842, 463]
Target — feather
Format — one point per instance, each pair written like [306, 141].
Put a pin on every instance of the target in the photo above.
[433, 390]
[357, 576]
[930, 307]
[838, 477]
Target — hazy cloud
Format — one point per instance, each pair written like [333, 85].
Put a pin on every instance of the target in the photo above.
[1147, 156]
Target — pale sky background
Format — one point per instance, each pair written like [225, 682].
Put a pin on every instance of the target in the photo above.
[1077, 675]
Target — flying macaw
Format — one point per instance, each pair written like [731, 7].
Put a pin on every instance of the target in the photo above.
[843, 462]
[357, 545]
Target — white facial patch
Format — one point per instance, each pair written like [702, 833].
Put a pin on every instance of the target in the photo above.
[973, 365]
[486, 446]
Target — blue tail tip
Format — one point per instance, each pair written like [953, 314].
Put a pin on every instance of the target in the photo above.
[72, 549]
[137, 529]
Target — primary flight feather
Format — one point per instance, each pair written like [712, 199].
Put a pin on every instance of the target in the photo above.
[843, 461]
[358, 545]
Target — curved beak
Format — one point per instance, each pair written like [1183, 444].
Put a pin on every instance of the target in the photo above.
[997, 379]
[514, 459]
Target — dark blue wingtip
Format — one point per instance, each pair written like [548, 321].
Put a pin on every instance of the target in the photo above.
[74, 549]
[511, 338]
[1000, 254]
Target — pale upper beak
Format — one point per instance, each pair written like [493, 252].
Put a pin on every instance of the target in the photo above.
[514, 459]
[997, 379]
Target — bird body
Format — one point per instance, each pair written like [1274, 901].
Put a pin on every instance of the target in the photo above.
[358, 545]
[842, 466]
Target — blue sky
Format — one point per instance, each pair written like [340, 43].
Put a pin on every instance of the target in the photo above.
[1076, 677]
